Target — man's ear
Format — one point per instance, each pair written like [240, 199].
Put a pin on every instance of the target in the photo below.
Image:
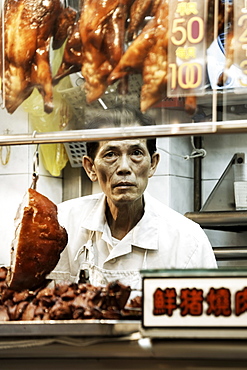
[88, 165]
[154, 163]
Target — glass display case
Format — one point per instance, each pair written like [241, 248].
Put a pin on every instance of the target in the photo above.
[63, 62]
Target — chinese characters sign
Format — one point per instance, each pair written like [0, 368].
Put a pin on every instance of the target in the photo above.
[186, 48]
[201, 302]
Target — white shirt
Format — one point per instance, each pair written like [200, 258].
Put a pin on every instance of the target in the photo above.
[162, 239]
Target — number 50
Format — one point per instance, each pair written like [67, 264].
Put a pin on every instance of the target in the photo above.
[194, 32]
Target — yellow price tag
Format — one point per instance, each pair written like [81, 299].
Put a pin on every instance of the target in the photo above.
[186, 48]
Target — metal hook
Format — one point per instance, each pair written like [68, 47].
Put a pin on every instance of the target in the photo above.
[4, 159]
[5, 156]
[35, 176]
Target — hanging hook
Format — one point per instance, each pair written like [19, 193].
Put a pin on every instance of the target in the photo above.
[35, 168]
[5, 151]
[5, 158]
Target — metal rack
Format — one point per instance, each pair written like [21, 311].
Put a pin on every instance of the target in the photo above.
[202, 128]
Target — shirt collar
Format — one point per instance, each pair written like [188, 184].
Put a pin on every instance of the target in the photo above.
[95, 220]
[145, 233]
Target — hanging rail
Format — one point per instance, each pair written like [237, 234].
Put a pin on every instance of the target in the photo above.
[202, 128]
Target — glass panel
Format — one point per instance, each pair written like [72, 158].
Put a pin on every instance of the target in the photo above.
[128, 52]
[117, 52]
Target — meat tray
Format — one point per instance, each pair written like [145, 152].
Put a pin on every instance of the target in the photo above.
[83, 328]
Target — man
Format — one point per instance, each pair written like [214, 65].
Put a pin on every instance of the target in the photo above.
[115, 234]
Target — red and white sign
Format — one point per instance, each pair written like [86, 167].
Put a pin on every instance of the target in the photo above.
[194, 301]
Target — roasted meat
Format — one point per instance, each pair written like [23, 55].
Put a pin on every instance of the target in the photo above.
[72, 55]
[64, 22]
[133, 59]
[138, 11]
[95, 66]
[65, 302]
[114, 33]
[147, 55]
[95, 14]
[154, 71]
[41, 75]
[102, 27]
[28, 28]
[20, 48]
[38, 242]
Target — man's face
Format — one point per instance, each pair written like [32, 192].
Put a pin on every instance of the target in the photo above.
[122, 169]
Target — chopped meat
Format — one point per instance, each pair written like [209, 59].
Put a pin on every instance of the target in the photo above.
[68, 301]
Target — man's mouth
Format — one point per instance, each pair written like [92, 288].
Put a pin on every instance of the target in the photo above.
[123, 184]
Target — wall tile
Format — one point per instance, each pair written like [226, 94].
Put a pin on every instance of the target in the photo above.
[181, 194]
[18, 160]
[51, 187]
[176, 192]
[16, 123]
[163, 148]
[158, 187]
[181, 147]
[12, 190]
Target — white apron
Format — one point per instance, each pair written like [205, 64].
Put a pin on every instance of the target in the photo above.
[98, 276]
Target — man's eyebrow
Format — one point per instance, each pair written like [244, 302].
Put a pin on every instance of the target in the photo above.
[110, 147]
[137, 145]
[115, 147]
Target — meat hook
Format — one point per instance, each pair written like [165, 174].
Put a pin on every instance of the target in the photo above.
[35, 168]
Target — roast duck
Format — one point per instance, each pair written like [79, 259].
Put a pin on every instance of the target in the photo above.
[29, 28]
[105, 40]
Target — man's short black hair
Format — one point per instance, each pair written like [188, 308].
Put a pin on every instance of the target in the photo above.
[120, 116]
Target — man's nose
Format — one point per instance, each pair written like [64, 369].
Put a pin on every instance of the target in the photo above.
[124, 165]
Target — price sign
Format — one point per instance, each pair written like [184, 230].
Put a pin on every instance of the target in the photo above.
[186, 48]
[238, 43]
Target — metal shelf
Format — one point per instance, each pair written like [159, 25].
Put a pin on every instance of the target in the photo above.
[202, 128]
[220, 220]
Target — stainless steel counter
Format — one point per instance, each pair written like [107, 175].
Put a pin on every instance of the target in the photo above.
[72, 328]
[112, 345]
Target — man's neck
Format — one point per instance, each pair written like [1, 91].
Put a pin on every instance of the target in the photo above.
[122, 219]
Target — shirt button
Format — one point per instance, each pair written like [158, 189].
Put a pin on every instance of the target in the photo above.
[114, 260]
